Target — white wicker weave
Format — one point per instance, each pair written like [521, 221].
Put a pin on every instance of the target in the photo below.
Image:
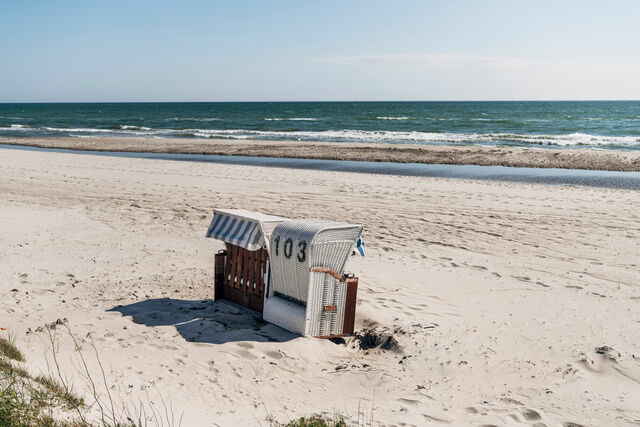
[296, 297]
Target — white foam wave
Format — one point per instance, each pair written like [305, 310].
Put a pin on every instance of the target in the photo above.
[484, 119]
[293, 119]
[124, 129]
[574, 139]
[350, 135]
[392, 118]
[90, 130]
[132, 127]
[15, 127]
[571, 139]
[196, 119]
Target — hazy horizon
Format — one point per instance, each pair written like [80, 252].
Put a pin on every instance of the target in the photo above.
[324, 101]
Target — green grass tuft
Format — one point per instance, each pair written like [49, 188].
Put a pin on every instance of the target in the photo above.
[8, 370]
[317, 421]
[57, 391]
[8, 349]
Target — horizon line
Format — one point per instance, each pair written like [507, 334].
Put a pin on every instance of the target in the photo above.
[318, 101]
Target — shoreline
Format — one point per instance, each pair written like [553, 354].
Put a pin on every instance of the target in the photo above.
[588, 159]
[544, 176]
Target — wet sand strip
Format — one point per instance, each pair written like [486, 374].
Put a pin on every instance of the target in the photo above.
[588, 159]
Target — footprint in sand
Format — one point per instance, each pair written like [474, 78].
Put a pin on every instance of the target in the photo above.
[436, 419]
[408, 401]
[245, 345]
[531, 415]
[274, 354]
[245, 354]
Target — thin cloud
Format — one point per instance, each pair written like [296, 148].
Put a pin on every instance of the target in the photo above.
[447, 60]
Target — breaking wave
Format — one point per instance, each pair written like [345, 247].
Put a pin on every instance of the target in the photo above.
[293, 119]
[574, 139]
[130, 127]
[345, 135]
[195, 119]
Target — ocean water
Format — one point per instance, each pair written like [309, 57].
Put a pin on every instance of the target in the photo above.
[588, 124]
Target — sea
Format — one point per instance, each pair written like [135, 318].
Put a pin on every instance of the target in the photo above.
[543, 124]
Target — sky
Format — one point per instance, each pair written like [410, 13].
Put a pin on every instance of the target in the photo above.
[241, 50]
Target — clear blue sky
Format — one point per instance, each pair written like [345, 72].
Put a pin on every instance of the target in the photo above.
[318, 50]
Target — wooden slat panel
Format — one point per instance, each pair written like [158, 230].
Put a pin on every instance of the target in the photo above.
[234, 265]
[242, 263]
[250, 271]
[220, 263]
[257, 272]
[350, 306]
[265, 258]
[245, 264]
[239, 270]
[227, 272]
[227, 268]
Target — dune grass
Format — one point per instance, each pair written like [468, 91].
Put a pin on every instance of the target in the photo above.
[49, 400]
[317, 421]
[26, 400]
[8, 349]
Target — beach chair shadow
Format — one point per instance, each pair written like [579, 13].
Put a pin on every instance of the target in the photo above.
[204, 321]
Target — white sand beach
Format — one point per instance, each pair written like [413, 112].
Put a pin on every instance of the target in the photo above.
[510, 303]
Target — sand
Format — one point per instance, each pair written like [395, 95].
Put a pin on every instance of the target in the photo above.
[591, 159]
[501, 296]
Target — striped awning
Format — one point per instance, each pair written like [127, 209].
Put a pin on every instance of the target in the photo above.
[249, 230]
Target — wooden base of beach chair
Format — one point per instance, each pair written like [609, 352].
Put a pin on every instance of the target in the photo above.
[240, 276]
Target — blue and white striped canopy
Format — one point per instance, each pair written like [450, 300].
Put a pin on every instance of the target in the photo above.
[249, 230]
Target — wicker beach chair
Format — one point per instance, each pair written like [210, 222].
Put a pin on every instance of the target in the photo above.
[308, 292]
